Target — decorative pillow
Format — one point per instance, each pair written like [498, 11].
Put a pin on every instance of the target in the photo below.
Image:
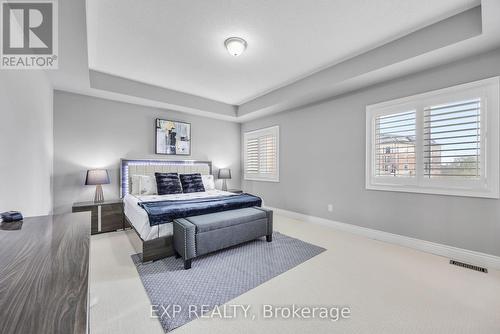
[208, 182]
[135, 182]
[134, 185]
[192, 183]
[168, 183]
[144, 185]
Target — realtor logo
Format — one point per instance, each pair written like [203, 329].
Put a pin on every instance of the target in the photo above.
[29, 35]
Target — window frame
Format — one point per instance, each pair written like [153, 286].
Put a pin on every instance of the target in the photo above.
[487, 186]
[275, 130]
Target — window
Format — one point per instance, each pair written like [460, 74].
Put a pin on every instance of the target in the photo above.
[261, 154]
[395, 144]
[442, 142]
[452, 140]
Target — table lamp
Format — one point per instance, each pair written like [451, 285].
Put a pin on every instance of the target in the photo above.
[224, 174]
[97, 177]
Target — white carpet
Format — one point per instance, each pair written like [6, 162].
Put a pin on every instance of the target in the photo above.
[390, 289]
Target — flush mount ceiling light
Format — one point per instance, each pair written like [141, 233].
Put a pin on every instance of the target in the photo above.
[235, 45]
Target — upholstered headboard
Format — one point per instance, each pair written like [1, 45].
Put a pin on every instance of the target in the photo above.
[129, 168]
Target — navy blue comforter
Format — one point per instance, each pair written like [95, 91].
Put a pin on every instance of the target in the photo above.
[166, 211]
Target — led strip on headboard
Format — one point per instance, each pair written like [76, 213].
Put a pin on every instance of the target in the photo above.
[127, 163]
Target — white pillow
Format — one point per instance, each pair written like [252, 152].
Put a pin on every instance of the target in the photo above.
[208, 182]
[134, 185]
[144, 185]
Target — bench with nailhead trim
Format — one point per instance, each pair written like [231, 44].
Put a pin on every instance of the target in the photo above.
[200, 235]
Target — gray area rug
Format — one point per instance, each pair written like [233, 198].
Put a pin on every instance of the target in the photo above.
[217, 278]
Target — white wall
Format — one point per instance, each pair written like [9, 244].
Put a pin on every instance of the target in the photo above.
[322, 159]
[91, 132]
[26, 142]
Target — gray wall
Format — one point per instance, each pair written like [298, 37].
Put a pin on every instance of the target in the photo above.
[322, 157]
[96, 133]
[26, 142]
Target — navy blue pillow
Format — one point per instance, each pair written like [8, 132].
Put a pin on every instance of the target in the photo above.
[168, 183]
[192, 183]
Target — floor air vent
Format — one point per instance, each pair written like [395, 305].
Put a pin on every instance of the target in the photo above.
[469, 266]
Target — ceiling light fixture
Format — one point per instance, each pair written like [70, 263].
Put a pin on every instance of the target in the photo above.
[235, 46]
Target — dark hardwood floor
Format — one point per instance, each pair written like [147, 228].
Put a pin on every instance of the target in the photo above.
[44, 265]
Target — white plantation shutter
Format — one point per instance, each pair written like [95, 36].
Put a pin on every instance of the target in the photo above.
[261, 154]
[452, 140]
[252, 156]
[441, 142]
[395, 144]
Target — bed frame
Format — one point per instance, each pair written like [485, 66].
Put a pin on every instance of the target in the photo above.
[159, 247]
[154, 249]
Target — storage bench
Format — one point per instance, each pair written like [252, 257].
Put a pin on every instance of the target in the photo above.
[200, 235]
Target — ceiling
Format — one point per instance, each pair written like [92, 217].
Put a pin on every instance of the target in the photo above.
[178, 45]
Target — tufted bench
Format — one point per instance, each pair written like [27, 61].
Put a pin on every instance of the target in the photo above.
[199, 235]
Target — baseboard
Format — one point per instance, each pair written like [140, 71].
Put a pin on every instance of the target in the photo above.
[455, 253]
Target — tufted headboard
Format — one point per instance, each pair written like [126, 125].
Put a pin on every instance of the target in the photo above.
[129, 168]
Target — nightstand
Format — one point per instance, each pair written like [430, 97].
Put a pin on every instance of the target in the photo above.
[107, 216]
[235, 191]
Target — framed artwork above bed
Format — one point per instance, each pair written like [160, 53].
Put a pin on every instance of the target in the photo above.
[173, 137]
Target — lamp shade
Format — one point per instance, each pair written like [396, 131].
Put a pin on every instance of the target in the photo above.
[224, 173]
[97, 177]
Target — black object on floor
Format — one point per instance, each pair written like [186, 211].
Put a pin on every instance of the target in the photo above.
[469, 266]
[11, 216]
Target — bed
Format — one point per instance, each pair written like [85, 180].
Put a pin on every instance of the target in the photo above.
[157, 239]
